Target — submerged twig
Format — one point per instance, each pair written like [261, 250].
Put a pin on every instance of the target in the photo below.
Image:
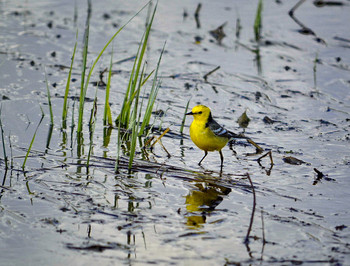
[246, 240]
[196, 15]
[263, 234]
[315, 70]
[268, 171]
[304, 29]
[3, 142]
[258, 148]
[321, 3]
[270, 155]
[160, 142]
[158, 139]
[218, 33]
[210, 72]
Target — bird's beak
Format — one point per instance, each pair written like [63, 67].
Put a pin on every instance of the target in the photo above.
[190, 113]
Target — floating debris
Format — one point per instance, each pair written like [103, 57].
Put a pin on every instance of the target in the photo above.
[210, 72]
[243, 120]
[268, 120]
[294, 161]
[218, 33]
[196, 15]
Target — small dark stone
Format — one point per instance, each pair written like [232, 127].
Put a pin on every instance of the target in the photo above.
[106, 16]
[268, 120]
[198, 39]
[188, 86]
[258, 95]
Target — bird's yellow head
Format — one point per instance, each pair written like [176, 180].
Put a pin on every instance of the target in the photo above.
[200, 113]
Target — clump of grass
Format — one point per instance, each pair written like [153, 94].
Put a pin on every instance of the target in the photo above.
[130, 121]
[152, 97]
[258, 21]
[130, 115]
[85, 83]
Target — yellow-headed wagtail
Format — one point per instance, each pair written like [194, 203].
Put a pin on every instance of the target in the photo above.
[207, 134]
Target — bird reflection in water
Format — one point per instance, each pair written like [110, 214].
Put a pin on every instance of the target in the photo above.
[201, 201]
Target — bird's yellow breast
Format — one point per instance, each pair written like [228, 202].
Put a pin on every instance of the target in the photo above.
[204, 138]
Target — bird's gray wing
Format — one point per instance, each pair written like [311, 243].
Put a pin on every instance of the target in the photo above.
[220, 131]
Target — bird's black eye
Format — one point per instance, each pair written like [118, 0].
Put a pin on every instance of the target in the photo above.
[200, 112]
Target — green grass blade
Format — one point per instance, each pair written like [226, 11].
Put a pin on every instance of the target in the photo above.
[148, 76]
[49, 99]
[116, 166]
[49, 135]
[107, 115]
[31, 143]
[92, 126]
[258, 21]
[82, 86]
[184, 117]
[72, 126]
[65, 106]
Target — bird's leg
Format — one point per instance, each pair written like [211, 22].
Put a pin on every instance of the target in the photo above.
[205, 154]
[222, 158]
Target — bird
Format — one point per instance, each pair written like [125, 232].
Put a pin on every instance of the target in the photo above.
[207, 134]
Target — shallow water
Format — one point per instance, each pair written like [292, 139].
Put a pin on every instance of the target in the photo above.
[170, 210]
